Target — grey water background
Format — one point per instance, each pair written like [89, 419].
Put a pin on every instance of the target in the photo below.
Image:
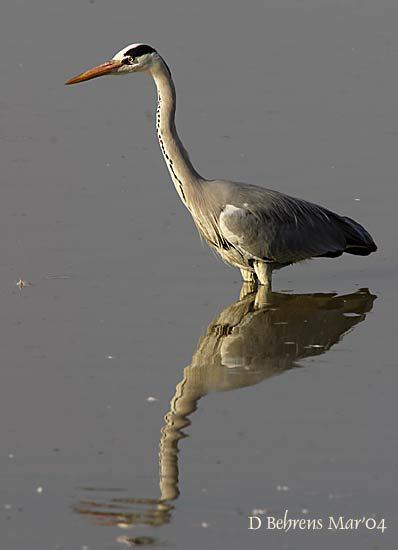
[300, 96]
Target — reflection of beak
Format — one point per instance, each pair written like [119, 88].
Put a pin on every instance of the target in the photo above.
[105, 68]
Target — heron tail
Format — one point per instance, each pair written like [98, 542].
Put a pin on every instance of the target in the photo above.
[359, 241]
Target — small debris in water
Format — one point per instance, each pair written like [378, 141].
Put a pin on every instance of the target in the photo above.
[110, 356]
[21, 283]
[39, 490]
[8, 506]
[151, 399]
[204, 525]
[357, 199]
[304, 510]
[290, 343]
[11, 455]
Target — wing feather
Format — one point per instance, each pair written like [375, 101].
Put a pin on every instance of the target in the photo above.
[271, 226]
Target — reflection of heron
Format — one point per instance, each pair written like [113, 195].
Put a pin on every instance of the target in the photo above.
[242, 346]
[252, 228]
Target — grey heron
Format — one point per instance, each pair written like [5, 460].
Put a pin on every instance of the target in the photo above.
[255, 229]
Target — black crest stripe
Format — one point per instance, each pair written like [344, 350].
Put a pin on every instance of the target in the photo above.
[142, 49]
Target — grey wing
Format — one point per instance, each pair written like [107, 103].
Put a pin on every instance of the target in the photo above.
[273, 227]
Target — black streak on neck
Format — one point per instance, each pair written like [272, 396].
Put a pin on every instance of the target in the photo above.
[169, 161]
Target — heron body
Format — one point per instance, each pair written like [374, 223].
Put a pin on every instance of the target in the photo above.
[255, 229]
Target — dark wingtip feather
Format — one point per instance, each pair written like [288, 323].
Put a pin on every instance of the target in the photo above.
[359, 241]
[361, 250]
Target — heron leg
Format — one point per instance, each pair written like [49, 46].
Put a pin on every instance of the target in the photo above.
[248, 276]
[249, 283]
[247, 288]
[264, 274]
[263, 297]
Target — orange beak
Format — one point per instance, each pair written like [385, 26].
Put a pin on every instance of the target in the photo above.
[105, 68]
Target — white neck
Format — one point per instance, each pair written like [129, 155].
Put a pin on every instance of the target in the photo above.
[185, 178]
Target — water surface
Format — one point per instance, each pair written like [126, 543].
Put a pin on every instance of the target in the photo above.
[128, 318]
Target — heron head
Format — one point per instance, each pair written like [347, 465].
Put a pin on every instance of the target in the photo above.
[131, 59]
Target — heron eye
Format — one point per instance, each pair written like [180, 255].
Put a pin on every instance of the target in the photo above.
[129, 60]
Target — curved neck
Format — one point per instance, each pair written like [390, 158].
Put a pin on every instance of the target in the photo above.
[185, 178]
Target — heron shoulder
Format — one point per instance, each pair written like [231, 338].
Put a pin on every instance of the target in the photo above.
[242, 195]
[239, 225]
